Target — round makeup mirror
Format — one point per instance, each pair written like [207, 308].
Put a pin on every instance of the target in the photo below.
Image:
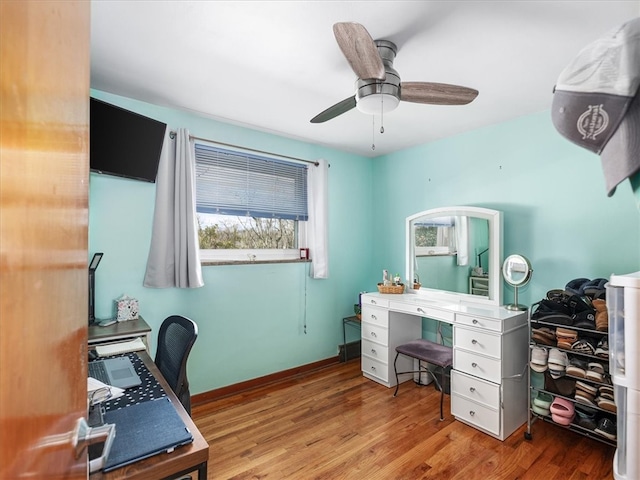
[516, 271]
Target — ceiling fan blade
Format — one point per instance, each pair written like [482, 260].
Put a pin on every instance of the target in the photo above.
[436, 93]
[359, 50]
[335, 110]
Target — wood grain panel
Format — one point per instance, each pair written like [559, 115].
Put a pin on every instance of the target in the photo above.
[44, 73]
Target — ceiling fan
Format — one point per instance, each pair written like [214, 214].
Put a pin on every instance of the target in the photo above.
[378, 88]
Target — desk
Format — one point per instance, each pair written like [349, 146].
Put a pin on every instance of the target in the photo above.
[119, 331]
[173, 465]
[490, 355]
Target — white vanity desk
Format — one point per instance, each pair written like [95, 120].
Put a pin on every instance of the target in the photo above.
[490, 354]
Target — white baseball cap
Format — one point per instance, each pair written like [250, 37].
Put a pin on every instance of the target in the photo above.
[596, 102]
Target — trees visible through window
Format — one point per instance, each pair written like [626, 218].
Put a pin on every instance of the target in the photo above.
[248, 204]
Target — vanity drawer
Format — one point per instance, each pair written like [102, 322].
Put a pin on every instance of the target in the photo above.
[375, 350]
[423, 311]
[473, 388]
[375, 315]
[475, 414]
[375, 333]
[477, 341]
[478, 365]
[374, 300]
[492, 324]
[375, 368]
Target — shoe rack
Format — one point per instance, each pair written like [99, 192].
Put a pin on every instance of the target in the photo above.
[573, 387]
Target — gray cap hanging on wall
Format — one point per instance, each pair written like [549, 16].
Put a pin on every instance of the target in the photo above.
[596, 102]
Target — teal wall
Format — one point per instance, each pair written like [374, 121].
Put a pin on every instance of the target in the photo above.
[251, 317]
[552, 194]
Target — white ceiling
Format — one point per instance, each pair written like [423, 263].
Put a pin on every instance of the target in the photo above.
[273, 65]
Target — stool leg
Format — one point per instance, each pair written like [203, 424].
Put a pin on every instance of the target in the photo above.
[395, 369]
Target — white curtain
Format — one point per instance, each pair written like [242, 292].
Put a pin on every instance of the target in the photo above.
[317, 225]
[174, 255]
[462, 240]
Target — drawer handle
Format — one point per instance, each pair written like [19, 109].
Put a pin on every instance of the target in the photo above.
[374, 317]
[472, 389]
[373, 369]
[374, 302]
[373, 351]
[420, 310]
[474, 321]
[373, 334]
[474, 364]
[472, 413]
[474, 341]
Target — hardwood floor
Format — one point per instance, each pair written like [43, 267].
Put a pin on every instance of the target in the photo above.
[335, 424]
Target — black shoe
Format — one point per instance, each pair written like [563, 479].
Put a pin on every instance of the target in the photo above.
[607, 428]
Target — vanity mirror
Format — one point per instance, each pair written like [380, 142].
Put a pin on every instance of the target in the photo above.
[455, 253]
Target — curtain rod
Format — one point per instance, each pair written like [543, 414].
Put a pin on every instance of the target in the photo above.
[172, 135]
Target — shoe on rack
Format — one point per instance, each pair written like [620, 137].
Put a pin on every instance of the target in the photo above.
[558, 361]
[606, 391]
[542, 403]
[562, 411]
[602, 315]
[606, 404]
[584, 345]
[586, 387]
[544, 336]
[539, 357]
[585, 319]
[577, 368]
[595, 372]
[607, 428]
[585, 417]
[602, 350]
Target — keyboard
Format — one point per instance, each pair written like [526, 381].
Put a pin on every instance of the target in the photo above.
[98, 371]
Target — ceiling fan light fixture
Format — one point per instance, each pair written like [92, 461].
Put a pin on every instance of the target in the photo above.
[377, 103]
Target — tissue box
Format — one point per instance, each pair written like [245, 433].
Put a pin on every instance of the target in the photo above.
[126, 308]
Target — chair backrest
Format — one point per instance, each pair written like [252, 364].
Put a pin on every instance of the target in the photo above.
[176, 337]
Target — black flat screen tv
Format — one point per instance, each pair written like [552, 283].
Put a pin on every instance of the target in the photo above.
[124, 143]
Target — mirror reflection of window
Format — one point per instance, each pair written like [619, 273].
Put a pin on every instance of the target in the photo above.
[435, 236]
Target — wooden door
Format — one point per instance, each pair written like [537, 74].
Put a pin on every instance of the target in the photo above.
[44, 144]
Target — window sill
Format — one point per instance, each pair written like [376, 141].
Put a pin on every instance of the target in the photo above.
[212, 263]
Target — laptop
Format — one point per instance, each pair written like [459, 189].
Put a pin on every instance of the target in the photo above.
[145, 429]
[117, 371]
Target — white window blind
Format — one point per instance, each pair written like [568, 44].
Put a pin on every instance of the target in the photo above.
[236, 183]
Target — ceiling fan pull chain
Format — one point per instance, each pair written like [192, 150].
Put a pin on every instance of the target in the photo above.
[381, 113]
[373, 132]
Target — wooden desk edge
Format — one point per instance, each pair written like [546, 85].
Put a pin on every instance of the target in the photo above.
[164, 465]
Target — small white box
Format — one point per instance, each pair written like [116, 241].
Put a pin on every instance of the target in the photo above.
[126, 308]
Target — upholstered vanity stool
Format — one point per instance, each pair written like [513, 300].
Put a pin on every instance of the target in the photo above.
[426, 351]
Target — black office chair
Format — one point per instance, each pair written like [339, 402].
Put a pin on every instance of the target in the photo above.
[176, 337]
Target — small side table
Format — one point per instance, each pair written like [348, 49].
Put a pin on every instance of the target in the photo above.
[354, 321]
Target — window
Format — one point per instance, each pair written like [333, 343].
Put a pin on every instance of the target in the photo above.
[435, 237]
[249, 207]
